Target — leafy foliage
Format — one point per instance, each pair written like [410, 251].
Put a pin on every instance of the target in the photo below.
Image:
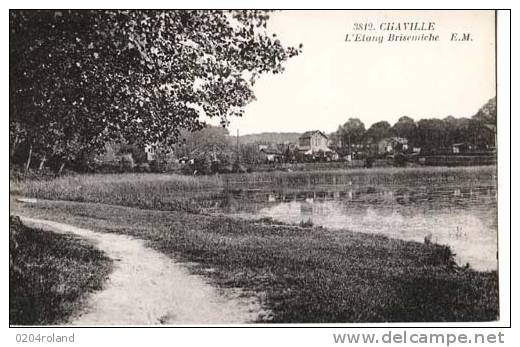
[405, 127]
[352, 131]
[81, 78]
[209, 139]
[431, 134]
[378, 131]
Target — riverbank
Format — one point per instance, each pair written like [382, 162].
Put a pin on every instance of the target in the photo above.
[301, 274]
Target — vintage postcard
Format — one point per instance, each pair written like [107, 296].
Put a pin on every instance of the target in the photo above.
[201, 167]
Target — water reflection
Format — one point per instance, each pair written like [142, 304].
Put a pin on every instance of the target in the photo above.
[463, 217]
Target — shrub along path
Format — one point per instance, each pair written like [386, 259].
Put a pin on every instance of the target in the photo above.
[148, 287]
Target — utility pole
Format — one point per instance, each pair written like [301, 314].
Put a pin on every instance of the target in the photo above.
[238, 155]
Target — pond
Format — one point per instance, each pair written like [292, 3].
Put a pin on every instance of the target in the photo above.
[461, 215]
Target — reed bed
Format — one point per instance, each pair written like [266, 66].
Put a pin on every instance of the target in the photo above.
[361, 176]
[190, 193]
[152, 191]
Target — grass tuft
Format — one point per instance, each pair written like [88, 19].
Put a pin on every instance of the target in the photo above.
[50, 274]
[307, 223]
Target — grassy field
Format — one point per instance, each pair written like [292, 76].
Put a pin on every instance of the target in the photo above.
[300, 274]
[50, 274]
[188, 193]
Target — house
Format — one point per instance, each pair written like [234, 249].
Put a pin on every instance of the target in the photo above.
[313, 141]
[392, 144]
[149, 152]
[272, 155]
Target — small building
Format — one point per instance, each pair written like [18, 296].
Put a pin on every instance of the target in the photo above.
[149, 152]
[272, 155]
[392, 144]
[334, 156]
[313, 141]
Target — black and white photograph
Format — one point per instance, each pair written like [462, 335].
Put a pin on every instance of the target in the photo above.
[253, 167]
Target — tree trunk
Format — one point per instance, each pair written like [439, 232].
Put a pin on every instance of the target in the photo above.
[61, 168]
[42, 162]
[13, 147]
[28, 163]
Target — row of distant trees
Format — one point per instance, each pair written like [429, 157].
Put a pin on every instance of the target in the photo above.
[428, 134]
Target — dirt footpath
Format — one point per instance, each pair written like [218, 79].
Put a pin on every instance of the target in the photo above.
[149, 288]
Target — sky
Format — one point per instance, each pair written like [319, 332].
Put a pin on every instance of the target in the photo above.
[333, 80]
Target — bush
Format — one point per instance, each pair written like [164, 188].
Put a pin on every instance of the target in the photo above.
[203, 165]
[441, 255]
[400, 160]
[144, 167]
[106, 167]
[239, 168]
[127, 163]
[187, 169]
[137, 153]
[307, 224]
[163, 164]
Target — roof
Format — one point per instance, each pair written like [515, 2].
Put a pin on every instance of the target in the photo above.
[308, 134]
[271, 151]
[491, 127]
